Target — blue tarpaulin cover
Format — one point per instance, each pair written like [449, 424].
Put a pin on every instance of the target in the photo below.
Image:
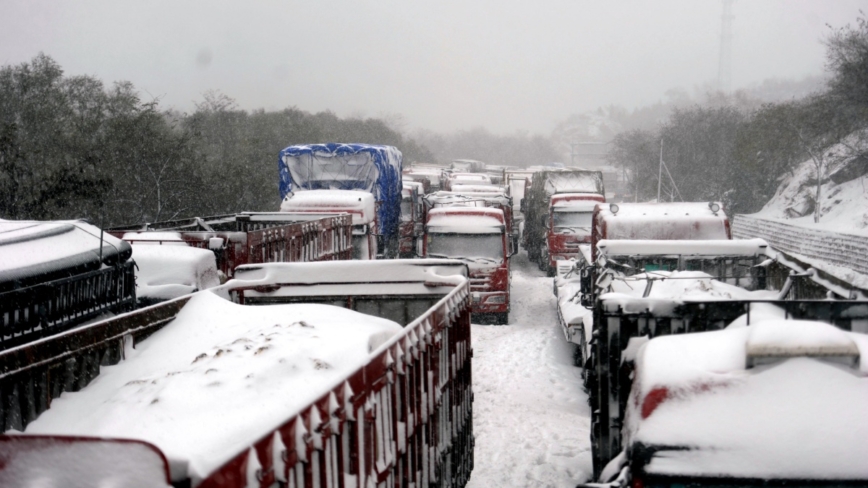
[363, 167]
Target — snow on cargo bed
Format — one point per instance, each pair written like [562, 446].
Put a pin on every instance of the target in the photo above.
[220, 376]
[400, 289]
[702, 410]
[33, 252]
[165, 272]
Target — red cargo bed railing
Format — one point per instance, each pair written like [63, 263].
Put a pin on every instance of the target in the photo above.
[402, 419]
[255, 237]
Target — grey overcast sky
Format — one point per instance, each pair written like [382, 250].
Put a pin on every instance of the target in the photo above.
[502, 64]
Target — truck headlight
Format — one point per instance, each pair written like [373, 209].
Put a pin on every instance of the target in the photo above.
[494, 299]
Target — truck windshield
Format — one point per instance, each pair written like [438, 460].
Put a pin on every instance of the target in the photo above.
[333, 172]
[474, 247]
[572, 222]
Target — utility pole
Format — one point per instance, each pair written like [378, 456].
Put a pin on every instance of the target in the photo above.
[660, 171]
[724, 73]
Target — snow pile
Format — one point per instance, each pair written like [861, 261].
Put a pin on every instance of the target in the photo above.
[843, 196]
[167, 271]
[33, 252]
[218, 378]
[799, 417]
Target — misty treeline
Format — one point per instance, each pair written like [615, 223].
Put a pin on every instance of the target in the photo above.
[519, 149]
[71, 147]
[733, 150]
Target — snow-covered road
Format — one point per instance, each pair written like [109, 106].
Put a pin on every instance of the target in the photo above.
[530, 415]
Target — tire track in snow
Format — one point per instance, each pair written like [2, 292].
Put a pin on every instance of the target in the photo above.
[530, 415]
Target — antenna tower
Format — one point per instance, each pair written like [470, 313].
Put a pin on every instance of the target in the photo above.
[724, 73]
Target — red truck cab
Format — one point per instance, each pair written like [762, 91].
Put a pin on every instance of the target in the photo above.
[568, 226]
[477, 236]
[659, 221]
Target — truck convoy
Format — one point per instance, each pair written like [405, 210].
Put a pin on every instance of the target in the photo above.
[537, 208]
[660, 272]
[338, 173]
[349, 374]
[477, 236]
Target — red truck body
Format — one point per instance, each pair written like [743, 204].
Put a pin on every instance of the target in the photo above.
[402, 417]
[568, 226]
[250, 238]
[477, 236]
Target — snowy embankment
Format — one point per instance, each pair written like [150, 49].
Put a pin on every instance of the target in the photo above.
[836, 244]
[530, 413]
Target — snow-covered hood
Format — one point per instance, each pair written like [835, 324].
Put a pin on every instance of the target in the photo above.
[698, 409]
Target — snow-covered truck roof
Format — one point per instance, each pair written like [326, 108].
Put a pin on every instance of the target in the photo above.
[662, 221]
[700, 409]
[577, 198]
[492, 188]
[360, 205]
[33, 252]
[466, 220]
[717, 247]
[444, 198]
[569, 180]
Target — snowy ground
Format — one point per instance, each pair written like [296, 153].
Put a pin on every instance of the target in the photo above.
[530, 415]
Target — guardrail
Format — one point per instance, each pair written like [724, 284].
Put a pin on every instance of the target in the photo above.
[844, 250]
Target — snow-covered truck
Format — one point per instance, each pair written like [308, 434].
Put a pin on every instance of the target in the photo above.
[477, 236]
[337, 173]
[477, 196]
[349, 374]
[252, 237]
[659, 221]
[729, 392]
[537, 203]
[568, 226]
[55, 275]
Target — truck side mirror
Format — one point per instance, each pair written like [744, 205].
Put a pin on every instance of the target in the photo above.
[522, 206]
[586, 280]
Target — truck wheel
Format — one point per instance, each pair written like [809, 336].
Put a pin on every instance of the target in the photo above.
[577, 355]
[550, 271]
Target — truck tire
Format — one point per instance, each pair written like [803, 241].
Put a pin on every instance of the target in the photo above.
[550, 271]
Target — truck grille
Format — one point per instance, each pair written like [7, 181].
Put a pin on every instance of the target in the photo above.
[480, 284]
